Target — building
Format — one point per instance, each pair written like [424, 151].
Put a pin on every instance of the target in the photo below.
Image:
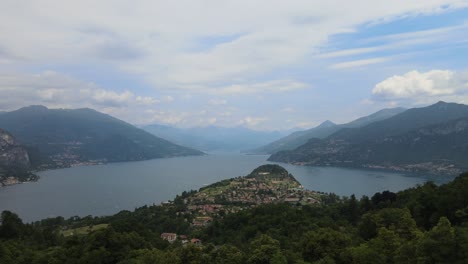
[196, 241]
[171, 237]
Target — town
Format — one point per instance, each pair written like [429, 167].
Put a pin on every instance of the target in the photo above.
[265, 185]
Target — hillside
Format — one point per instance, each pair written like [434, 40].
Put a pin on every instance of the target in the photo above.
[430, 139]
[213, 138]
[324, 130]
[68, 137]
[14, 161]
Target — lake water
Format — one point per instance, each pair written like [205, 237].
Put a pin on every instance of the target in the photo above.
[107, 189]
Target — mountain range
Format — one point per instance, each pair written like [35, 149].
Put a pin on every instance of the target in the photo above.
[64, 137]
[214, 138]
[324, 130]
[428, 139]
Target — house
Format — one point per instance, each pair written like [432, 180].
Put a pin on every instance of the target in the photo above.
[196, 241]
[184, 239]
[202, 221]
[292, 200]
[171, 237]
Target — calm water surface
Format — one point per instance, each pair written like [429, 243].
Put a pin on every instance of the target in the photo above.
[107, 189]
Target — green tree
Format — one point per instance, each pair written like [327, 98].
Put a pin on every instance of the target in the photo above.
[438, 245]
[364, 254]
[266, 250]
[190, 254]
[227, 254]
[12, 226]
[322, 243]
[385, 244]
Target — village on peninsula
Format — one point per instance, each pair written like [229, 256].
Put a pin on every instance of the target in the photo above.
[267, 184]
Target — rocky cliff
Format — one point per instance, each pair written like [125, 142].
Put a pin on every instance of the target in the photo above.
[14, 161]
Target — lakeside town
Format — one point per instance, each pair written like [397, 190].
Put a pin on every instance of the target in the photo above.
[267, 184]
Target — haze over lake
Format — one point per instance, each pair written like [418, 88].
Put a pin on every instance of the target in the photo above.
[107, 189]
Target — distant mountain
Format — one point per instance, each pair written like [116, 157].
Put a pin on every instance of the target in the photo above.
[433, 138]
[324, 130]
[298, 138]
[14, 161]
[66, 137]
[213, 138]
[377, 116]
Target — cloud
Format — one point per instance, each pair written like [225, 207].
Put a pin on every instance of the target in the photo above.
[189, 44]
[181, 54]
[217, 102]
[288, 110]
[168, 99]
[358, 63]
[251, 121]
[54, 89]
[397, 46]
[421, 87]
[117, 50]
[274, 86]
[349, 52]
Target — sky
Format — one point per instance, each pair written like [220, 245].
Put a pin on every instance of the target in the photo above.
[264, 64]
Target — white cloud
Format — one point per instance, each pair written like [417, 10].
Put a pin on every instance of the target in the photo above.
[288, 110]
[403, 42]
[168, 99]
[350, 52]
[189, 50]
[357, 63]
[158, 40]
[424, 87]
[217, 101]
[274, 86]
[250, 121]
[54, 89]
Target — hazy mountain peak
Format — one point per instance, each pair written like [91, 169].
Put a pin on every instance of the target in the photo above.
[326, 123]
[34, 108]
[443, 105]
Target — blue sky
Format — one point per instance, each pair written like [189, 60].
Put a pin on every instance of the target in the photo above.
[266, 65]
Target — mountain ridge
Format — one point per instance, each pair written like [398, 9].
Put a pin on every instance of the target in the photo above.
[85, 136]
[323, 130]
[428, 139]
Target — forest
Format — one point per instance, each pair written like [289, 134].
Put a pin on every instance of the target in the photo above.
[424, 224]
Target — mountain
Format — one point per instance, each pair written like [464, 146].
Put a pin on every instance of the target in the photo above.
[14, 161]
[67, 137]
[213, 138]
[324, 130]
[429, 139]
[377, 116]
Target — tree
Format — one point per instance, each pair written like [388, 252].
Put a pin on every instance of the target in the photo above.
[363, 254]
[227, 254]
[386, 244]
[438, 245]
[266, 250]
[12, 226]
[190, 254]
[397, 219]
[322, 243]
[352, 209]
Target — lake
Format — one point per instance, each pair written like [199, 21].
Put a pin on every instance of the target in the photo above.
[107, 189]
